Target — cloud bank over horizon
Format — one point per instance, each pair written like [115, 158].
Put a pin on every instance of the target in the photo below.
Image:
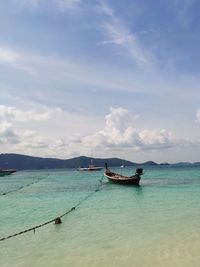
[119, 135]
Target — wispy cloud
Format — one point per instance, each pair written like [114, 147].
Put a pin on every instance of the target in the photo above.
[105, 9]
[15, 59]
[30, 3]
[64, 5]
[119, 34]
[61, 5]
[150, 31]
[68, 71]
[183, 11]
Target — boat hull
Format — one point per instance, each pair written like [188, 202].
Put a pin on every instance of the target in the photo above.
[90, 169]
[6, 172]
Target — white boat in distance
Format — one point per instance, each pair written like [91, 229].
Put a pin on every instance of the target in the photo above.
[91, 167]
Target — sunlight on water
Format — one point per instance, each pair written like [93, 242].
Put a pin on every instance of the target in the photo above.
[156, 224]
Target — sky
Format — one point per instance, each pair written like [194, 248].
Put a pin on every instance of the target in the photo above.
[100, 78]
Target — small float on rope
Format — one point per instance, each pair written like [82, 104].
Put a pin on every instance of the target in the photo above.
[58, 220]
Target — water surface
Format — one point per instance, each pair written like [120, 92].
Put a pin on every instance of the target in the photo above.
[156, 224]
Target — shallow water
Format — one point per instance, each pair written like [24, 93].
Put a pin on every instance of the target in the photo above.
[156, 224]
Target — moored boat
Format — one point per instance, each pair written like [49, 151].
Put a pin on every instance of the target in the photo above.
[4, 172]
[91, 167]
[121, 179]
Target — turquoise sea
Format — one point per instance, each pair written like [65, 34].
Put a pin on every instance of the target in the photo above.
[156, 224]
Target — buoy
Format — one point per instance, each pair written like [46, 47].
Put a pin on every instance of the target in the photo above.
[58, 220]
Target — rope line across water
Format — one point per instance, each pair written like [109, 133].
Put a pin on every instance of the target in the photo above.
[62, 215]
[21, 187]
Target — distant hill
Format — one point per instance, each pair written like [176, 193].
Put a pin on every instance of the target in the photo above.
[184, 163]
[23, 162]
[197, 163]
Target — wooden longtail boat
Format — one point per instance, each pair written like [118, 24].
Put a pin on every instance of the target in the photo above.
[121, 179]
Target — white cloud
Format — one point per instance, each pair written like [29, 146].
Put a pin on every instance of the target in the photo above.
[8, 55]
[198, 116]
[7, 134]
[119, 118]
[32, 140]
[14, 114]
[120, 131]
[13, 135]
[120, 134]
[155, 138]
[29, 143]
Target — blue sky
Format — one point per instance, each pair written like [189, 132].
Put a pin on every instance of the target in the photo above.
[100, 78]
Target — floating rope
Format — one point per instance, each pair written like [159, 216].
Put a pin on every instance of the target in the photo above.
[21, 187]
[57, 218]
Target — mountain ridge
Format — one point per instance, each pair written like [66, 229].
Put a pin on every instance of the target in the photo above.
[26, 162]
